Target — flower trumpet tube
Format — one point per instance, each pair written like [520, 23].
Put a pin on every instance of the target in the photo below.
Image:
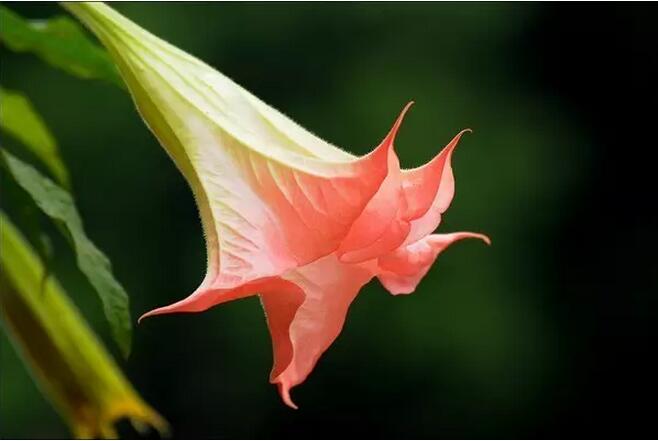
[286, 215]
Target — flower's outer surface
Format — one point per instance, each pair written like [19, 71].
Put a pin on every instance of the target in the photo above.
[286, 215]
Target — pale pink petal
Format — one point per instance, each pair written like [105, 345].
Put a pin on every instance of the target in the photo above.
[205, 298]
[402, 270]
[429, 190]
[328, 287]
[432, 183]
[407, 206]
[380, 228]
[270, 217]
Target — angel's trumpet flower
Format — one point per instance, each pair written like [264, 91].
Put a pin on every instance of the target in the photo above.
[286, 215]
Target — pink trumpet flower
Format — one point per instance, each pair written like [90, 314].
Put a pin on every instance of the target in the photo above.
[286, 215]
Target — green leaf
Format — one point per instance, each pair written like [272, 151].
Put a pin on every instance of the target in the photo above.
[59, 41]
[58, 204]
[19, 119]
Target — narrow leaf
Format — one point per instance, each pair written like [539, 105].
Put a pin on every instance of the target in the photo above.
[60, 42]
[19, 119]
[58, 204]
[67, 360]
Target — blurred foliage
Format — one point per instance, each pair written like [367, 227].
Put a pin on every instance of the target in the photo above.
[66, 358]
[20, 120]
[508, 341]
[62, 43]
[58, 204]
[70, 365]
[59, 41]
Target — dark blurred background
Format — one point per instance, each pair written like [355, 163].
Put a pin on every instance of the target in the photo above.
[548, 333]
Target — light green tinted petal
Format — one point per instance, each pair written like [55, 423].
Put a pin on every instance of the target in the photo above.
[254, 124]
[244, 160]
[59, 205]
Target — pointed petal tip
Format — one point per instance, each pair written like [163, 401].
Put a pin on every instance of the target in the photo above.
[404, 111]
[442, 241]
[483, 237]
[438, 159]
[467, 235]
[448, 149]
[390, 137]
[199, 301]
[284, 392]
[150, 313]
[185, 305]
[455, 140]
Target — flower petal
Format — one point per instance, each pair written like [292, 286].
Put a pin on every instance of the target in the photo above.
[407, 206]
[429, 191]
[380, 228]
[305, 321]
[432, 183]
[272, 195]
[286, 215]
[401, 271]
[270, 217]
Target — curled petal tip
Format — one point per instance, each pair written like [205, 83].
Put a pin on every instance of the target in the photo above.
[176, 307]
[198, 301]
[444, 240]
[396, 125]
[284, 392]
[147, 314]
[453, 143]
[447, 150]
[404, 111]
[483, 237]
[290, 403]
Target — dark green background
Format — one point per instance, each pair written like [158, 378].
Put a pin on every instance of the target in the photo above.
[550, 332]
